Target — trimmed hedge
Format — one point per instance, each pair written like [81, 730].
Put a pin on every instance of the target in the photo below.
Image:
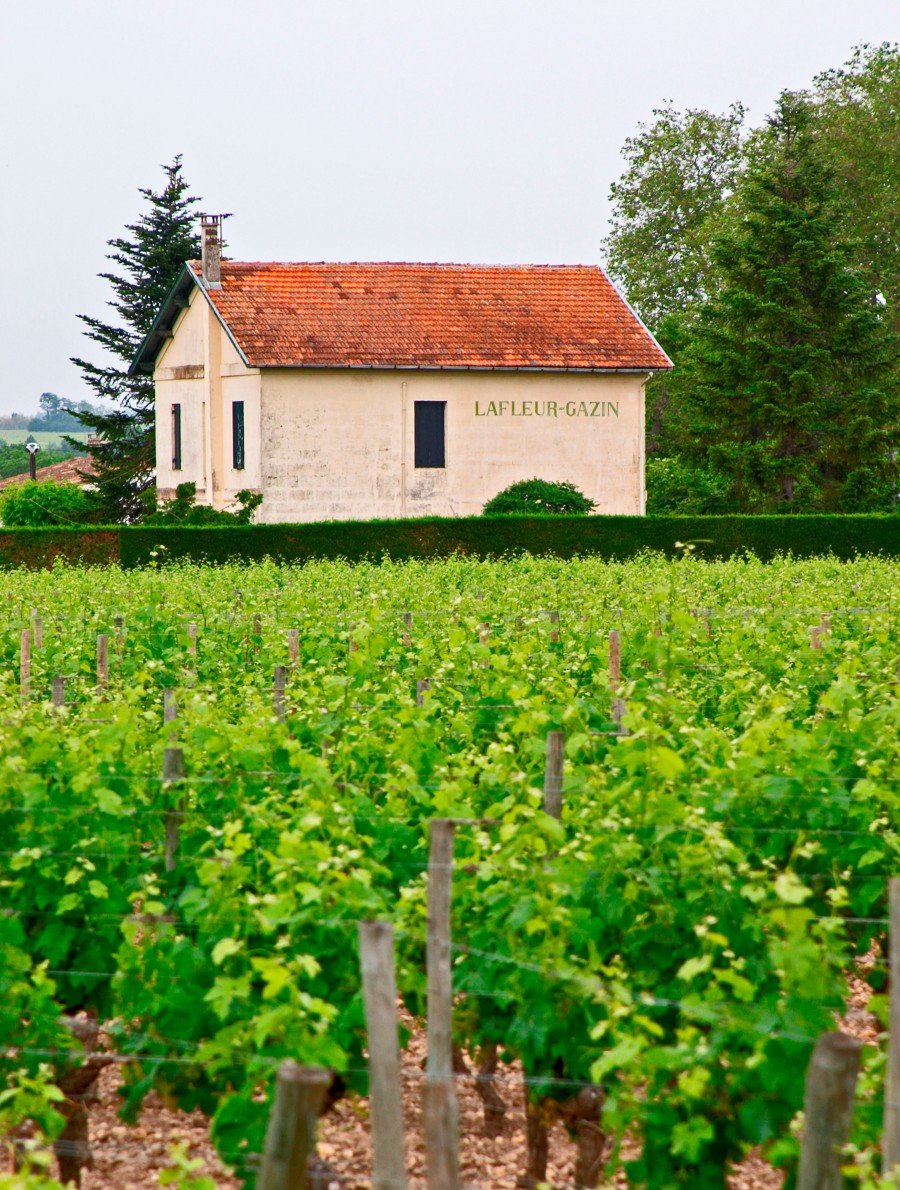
[608, 536]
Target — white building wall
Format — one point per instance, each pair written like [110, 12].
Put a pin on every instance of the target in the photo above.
[339, 444]
[201, 370]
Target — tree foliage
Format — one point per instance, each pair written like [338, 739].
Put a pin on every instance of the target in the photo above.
[788, 385]
[858, 114]
[680, 169]
[147, 260]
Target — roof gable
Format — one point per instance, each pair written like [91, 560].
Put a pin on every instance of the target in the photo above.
[426, 316]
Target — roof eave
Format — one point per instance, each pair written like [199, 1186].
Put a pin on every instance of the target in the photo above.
[161, 330]
[638, 370]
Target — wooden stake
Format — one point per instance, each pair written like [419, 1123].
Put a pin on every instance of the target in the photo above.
[25, 663]
[291, 1131]
[828, 1108]
[192, 639]
[102, 661]
[37, 630]
[554, 632]
[278, 689]
[618, 708]
[170, 707]
[439, 1095]
[293, 640]
[59, 691]
[615, 660]
[815, 637]
[422, 686]
[173, 772]
[553, 773]
[376, 956]
[119, 629]
[891, 1142]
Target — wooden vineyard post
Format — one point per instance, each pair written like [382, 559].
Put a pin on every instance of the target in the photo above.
[119, 629]
[352, 645]
[615, 679]
[815, 637]
[484, 638]
[102, 662]
[291, 1131]
[553, 773]
[439, 1095]
[173, 772]
[37, 631]
[170, 707]
[59, 691]
[293, 641]
[554, 630]
[192, 639]
[423, 685]
[376, 956]
[407, 624]
[278, 691]
[891, 1141]
[25, 663]
[828, 1108]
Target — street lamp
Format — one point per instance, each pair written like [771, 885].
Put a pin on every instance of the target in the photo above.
[32, 447]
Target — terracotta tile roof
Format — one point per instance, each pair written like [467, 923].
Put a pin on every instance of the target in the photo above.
[431, 316]
[65, 472]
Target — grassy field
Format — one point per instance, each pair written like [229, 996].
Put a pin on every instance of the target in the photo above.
[657, 946]
[45, 438]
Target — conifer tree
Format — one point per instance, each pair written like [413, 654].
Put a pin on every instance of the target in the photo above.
[149, 259]
[789, 384]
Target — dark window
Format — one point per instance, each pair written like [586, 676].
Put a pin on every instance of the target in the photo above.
[176, 437]
[237, 435]
[430, 433]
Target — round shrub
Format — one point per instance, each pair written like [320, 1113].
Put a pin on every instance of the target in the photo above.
[537, 497]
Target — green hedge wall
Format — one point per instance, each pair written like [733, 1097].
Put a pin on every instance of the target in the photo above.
[565, 537]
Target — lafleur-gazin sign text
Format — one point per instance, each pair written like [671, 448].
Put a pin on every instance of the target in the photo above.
[546, 408]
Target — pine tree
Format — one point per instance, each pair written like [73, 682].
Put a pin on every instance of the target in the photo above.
[149, 260]
[789, 383]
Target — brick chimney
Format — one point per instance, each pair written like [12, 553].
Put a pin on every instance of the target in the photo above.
[211, 246]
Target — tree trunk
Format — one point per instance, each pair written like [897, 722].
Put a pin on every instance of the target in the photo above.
[495, 1108]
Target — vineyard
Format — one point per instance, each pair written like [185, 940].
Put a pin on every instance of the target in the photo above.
[210, 777]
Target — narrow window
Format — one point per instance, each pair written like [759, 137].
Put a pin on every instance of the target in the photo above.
[176, 437]
[429, 428]
[237, 435]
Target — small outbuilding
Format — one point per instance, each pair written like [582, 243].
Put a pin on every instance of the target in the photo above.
[351, 391]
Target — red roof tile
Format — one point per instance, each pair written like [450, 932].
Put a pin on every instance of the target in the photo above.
[431, 316]
[68, 471]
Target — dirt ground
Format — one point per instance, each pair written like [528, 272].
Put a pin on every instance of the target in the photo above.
[130, 1157]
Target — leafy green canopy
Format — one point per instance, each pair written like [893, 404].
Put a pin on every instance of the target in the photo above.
[148, 259]
[34, 505]
[680, 168]
[539, 497]
[788, 384]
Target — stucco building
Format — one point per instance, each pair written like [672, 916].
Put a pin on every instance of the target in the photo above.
[349, 391]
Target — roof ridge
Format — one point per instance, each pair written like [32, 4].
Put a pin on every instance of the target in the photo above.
[409, 264]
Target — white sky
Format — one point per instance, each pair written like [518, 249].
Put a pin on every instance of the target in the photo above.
[465, 130]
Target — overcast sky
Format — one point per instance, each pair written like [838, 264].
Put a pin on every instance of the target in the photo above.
[463, 130]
